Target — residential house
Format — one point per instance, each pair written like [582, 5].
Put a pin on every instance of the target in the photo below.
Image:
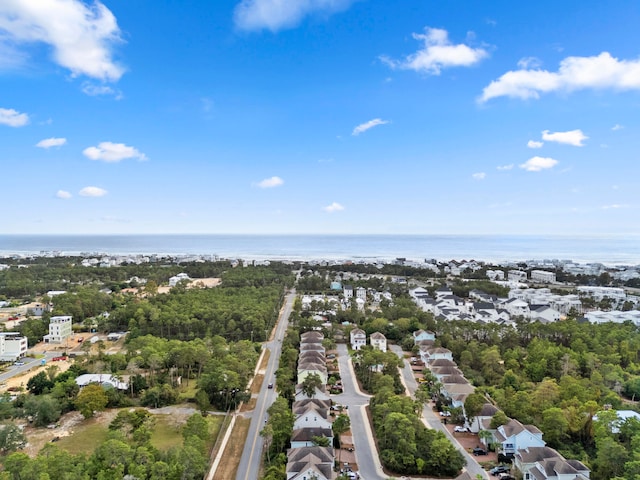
[307, 463]
[347, 291]
[517, 307]
[104, 379]
[428, 355]
[303, 437]
[173, 281]
[544, 314]
[482, 421]
[312, 337]
[514, 436]
[309, 368]
[358, 338]
[59, 329]
[420, 335]
[379, 341]
[311, 417]
[319, 394]
[545, 463]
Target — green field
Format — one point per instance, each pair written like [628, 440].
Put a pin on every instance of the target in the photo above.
[167, 433]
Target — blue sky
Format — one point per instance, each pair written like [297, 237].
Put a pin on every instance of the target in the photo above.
[320, 116]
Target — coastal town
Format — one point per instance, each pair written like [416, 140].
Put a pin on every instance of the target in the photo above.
[316, 391]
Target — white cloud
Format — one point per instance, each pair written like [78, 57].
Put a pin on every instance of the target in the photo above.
[615, 206]
[13, 118]
[51, 142]
[575, 73]
[92, 192]
[534, 144]
[363, 127]
[334, 207]
[536, 164]
[276, 15]
[529, 62]
[82, 36]
[271, 182]
[505, 167]
[479, 176]
[438, 53]
[113, 152]
[63, 194]
[97, 90]
[572, 137]
[617, 127]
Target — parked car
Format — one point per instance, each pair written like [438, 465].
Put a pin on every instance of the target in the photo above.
[460, 429]
[479, 451]
[506, 476]
[18, 364]
[497, 470]
[445, 414]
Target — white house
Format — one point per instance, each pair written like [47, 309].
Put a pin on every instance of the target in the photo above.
[361, 293]
[59, 329]
[435, 353]
[103, 379]
[311, 418]
[517, 307]
[173, 281]
[358, 338]
[347, 292]
[514, 436]
[420, 335]
[12, 346]
[545, 314]
[379, 341]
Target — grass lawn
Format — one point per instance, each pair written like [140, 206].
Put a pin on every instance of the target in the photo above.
[167, 433]
[85, 439]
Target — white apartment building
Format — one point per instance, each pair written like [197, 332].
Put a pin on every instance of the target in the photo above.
[59, 329]
[12, 346]
[543, 276]
[517, 276]
[599, 293]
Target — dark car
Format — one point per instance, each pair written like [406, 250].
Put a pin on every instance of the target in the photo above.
[506, 476]
[270, 385]
[499, 469]
[479, 451]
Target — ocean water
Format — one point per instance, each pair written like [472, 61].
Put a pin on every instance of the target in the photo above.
[614, 250]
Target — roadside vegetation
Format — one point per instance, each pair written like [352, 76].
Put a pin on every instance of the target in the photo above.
[198, 345]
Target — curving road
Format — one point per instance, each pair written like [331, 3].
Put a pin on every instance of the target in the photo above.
[251, 458]
[431, 420]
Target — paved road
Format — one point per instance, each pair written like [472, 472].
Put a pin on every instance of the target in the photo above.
[29, 363]
[432, 420]
[366, 454]
[251, 458]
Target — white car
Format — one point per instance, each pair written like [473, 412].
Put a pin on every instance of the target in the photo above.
[460, 429]
[445, 414]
